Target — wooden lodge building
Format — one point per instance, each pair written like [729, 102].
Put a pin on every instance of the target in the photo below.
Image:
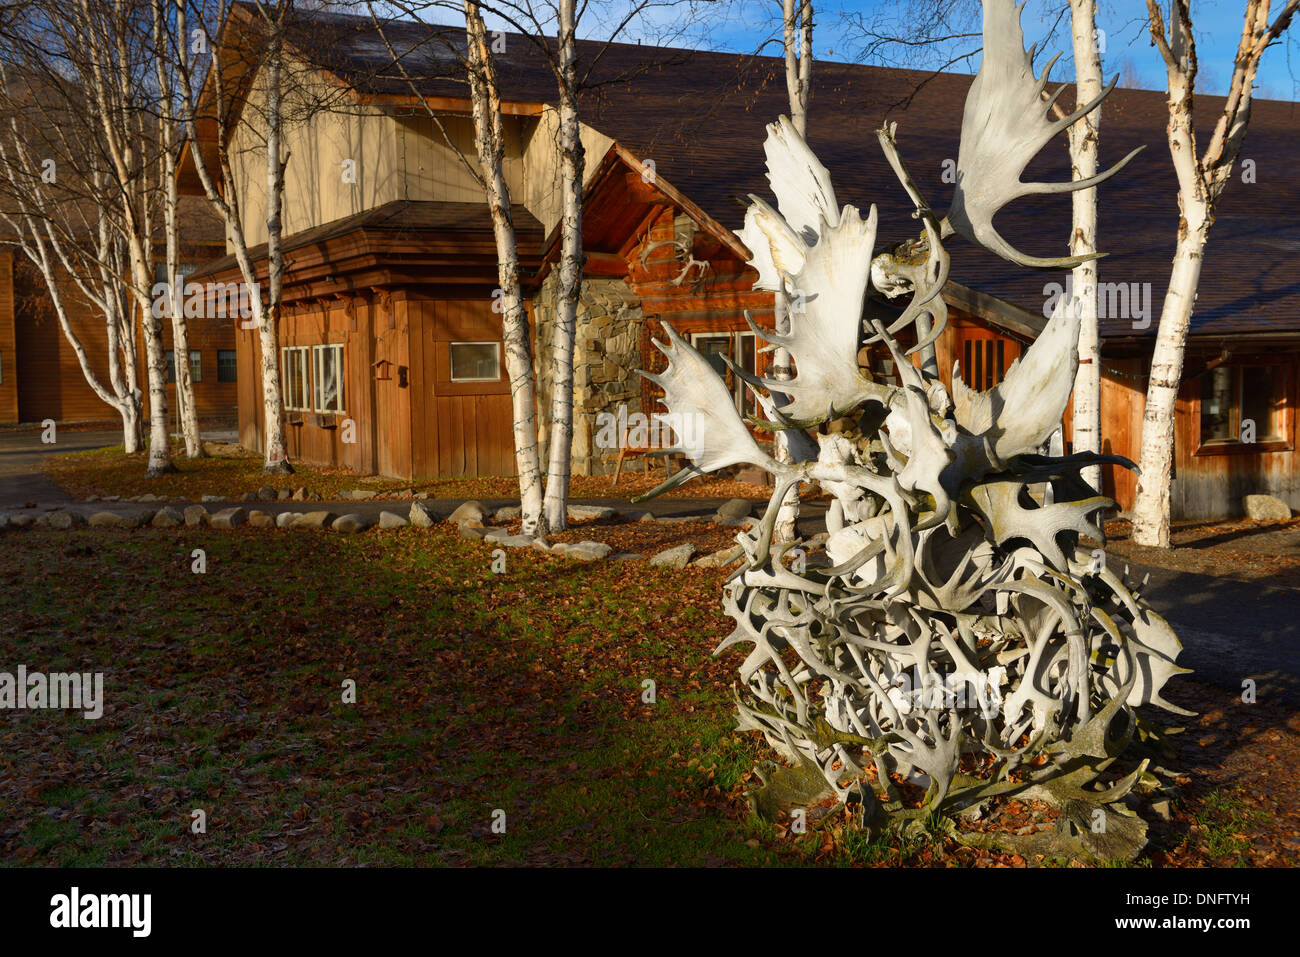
[391, 352]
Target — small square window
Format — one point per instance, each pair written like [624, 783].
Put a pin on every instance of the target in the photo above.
[475, 362]
[1242, 404]
[196, 365]
[227, 366]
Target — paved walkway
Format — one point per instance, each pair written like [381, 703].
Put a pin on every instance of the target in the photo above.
[1230, 630]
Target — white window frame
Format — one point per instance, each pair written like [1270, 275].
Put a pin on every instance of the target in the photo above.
[292, 403]
[318, 370]
[452, 375]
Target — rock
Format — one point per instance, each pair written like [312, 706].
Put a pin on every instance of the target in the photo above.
[542, 545]
[1266, 508]
[361, 494]
[98, 520]
[147, 497]
[675, 558]
[507, 541]
[469, 512]
[421, 495]
[734, 510]
[258, 519]
[284, 494]
[299, 495]
[195, 515]
[1162, 808]
[586, 513]
[138, 519]
[511, 513]
[249, 497]
[647, 517]
[312, 497]
[168, 517]
[314, 520]
[392, 520]
[65, 520]
[4, 522]
[588, 551]
[738, 522]
[286, 519]
[112, 498]
[266, 494]
[350, 524]
[227, 518]
[478, 533]
[420, 516]
[211, 498]
[720, 558]
[680, 519]
[91, 498]
[22, 521]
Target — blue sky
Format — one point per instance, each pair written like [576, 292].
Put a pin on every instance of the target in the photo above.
[743, 25]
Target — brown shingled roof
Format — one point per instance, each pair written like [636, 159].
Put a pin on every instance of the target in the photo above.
[701, 115]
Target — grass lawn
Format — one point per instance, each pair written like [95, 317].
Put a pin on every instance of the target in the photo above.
[109, 471]
[475, 693]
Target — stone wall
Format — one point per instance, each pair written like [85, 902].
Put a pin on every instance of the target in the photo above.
[606, 356]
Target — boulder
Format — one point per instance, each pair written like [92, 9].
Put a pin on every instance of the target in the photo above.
[98, 520]
[392, 520]
[734, 510]
[421, 495]
[65, 520]
[510, 513]
[249, 497]
[721, 557]
[1266, 508]
[350, 524]
[4, 522]
[286, 519]
[647, 517]
[22, 521]
[168, 517]
[284, 494]
[258, 519]
[147, 497]
[476, 533]
[468, 512]
[420, 516]
[195, 515]
[314, 520]
[227, 518]
[587, 513]
[266, 494]
[138, 519]
[675, 558]
[299, 495]
[587, 551]
[508, 541]
[211, 498]
[362, 494]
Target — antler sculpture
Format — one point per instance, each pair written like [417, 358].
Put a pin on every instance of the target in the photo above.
[954, 634]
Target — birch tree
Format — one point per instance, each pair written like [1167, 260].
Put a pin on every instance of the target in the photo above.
[51, 204]
[797, 34]
[266, 30]
[1202, 178]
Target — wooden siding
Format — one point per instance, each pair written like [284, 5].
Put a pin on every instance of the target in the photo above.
[8, 342]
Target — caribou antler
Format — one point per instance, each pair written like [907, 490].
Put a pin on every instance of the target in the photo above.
[1003, 127]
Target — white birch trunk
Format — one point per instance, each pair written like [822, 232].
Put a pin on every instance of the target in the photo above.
[556, 500]
[489, 142]
[1084, 148]
[798, 25]
[277, 457]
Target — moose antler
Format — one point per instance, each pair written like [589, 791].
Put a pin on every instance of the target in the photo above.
[1003, 127]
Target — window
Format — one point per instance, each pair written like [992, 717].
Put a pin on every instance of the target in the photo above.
[293, 377]
[227, 366]
[740, 348]
[1242, 405]
[475, 361]
[984, 363]
[171, 366]
[328, 363]
[196, 365]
